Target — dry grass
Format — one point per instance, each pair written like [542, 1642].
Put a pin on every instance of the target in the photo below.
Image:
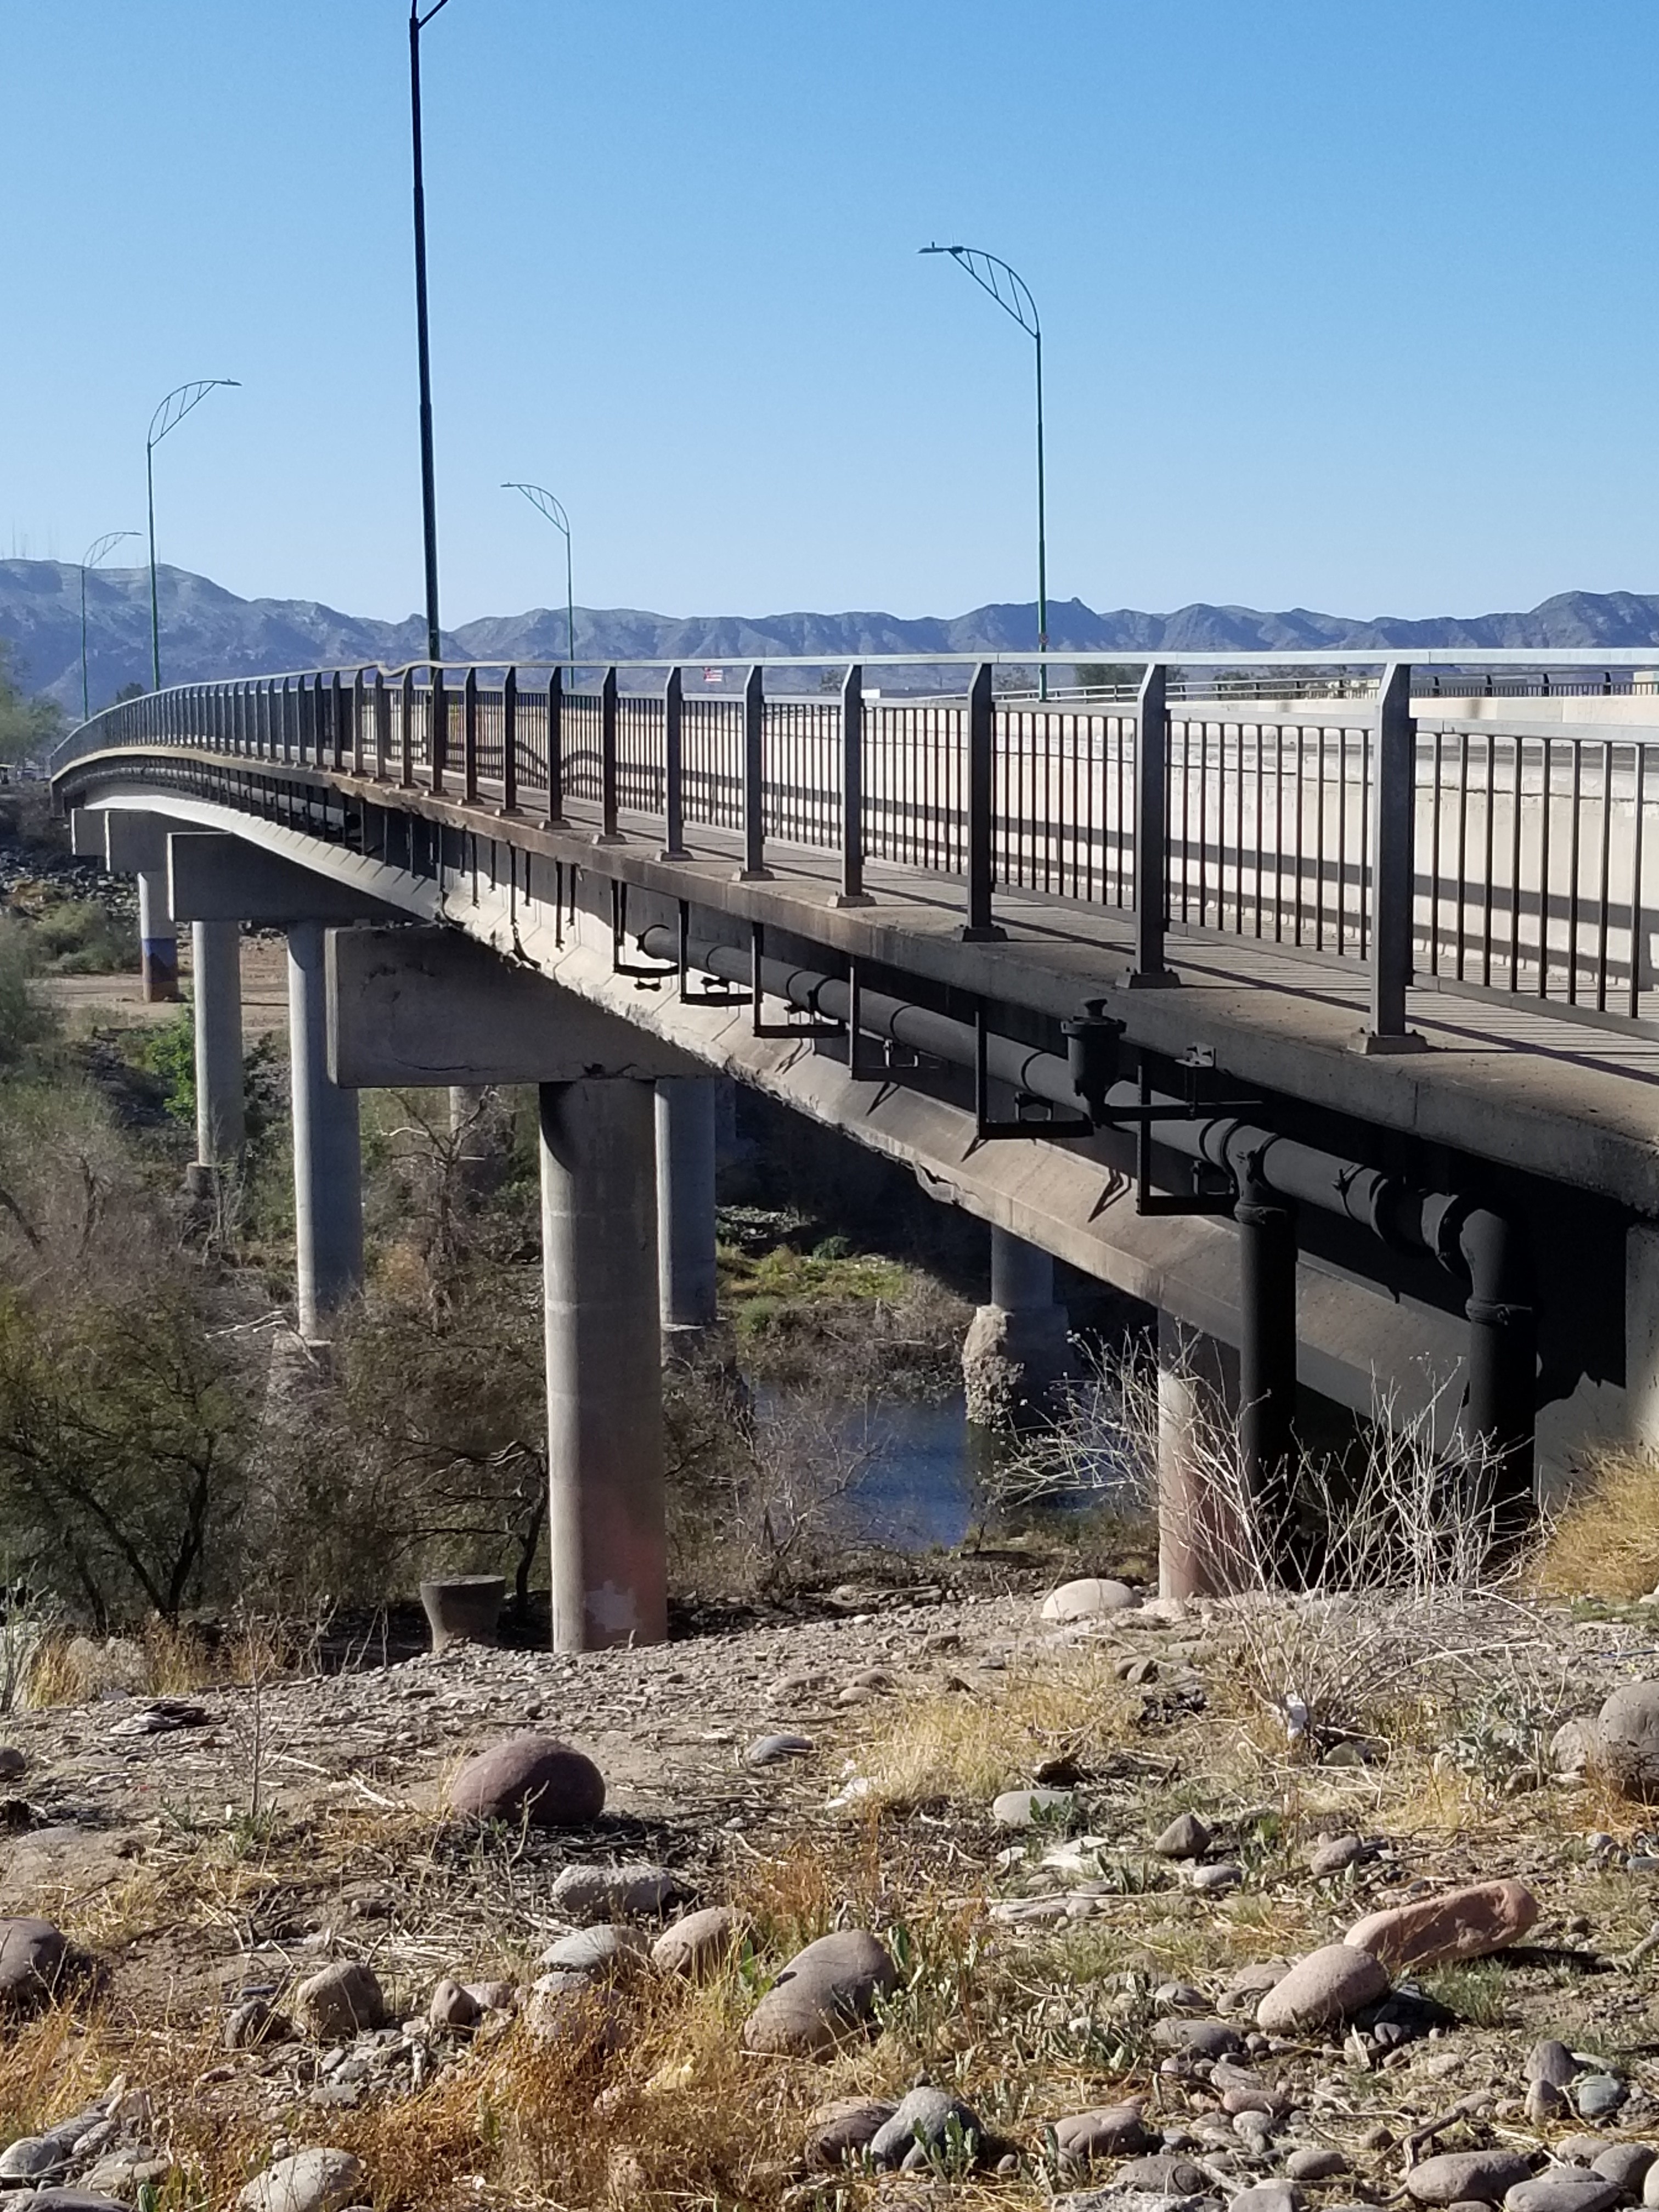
[1604, 1542]
[162, 1660]
[964, 1747]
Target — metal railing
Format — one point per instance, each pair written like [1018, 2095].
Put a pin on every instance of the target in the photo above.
[1368, 825]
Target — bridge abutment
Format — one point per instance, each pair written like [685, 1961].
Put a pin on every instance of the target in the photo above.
[328, 1213]
[606, 1521]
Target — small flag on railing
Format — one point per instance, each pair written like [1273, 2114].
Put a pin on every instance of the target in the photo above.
[713, 675]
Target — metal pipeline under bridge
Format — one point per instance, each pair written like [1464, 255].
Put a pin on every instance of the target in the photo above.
[1271, 1175]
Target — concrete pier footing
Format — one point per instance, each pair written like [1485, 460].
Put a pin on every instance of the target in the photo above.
[328, 1214]
[1018, 1346]
[685, 1203]
[606, 1519]
[217, 989]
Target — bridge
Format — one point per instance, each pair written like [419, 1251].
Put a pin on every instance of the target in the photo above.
[1312, 1002]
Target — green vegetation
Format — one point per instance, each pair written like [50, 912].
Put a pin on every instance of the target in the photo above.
[29, 727]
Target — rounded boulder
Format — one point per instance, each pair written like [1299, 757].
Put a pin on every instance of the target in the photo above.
[823, 1997]
[1088, 1598]
[1627, 1739]
[533, 1776]
[1326, 1988]
[1461, 1923]
[700, 1943]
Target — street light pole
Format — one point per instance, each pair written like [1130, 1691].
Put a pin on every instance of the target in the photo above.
[417, 23]
[167, 417]
[93, 554]
[1013, 295]
[544, 503]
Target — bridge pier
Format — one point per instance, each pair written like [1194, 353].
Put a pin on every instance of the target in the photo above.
[217, 987]
[328, 1209]
[685, 1203]
[1199, 1534]
[158, 939]
[1017, 1346]
[605, 1518]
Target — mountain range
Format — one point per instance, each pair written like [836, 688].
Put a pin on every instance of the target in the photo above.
[208, 632]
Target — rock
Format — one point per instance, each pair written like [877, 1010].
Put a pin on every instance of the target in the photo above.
[1207, 1879]
[923, 2120]
[1105, 2132]
[1545, 2103]
[533, 1777]
[771, 1750]
[1575, 1746]
[1596, 2095]
[30, 2157]
[1088, 1599]
[254, 2024]
[1627, 1739]
[1461, 2177]
[1023, 1809]
[119, 2177]
[1165, 2174]
[72, 2200]
[309, 2181]
[1329, 1985]
[841, 2129]
[825, 1994]
[12, 1763]
[1563, 2189]
[452, 2006]
[1333, 1856]
[1580, 2150]
[601, 1951]
[339, 2003]
[1267, 2196]
[35, 1960]
[493, 1997]
[1186, 1838]
[1650, 2186]
[574, 2009]
[1625, 2165]
[1553, 2063]
[1463, 1923]
[1133, 2200]
[700, 1943]
[1315, 2163]
[1198, 2038]
[620, 1892]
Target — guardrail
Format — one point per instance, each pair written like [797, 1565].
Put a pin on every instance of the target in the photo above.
[1372, 824]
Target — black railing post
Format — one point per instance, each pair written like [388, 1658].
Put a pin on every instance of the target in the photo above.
[609, 833]
[981, 927]
[358, 694]
[555, 745]
[1393, 808]
[753, 869]
[510, 742]
[852, 891]
[382, 728]
[406, 735]
[673, 769]
[438, 734]
[338, 709]
[470, 738]
[1150, 970]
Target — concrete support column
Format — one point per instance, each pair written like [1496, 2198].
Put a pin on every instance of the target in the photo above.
[1198, 1529]
[1267, 1364]
[328, 1214]
[1017, 1348]
[216, 983]
[158, 936]
[606, 1518]
[685, 1201]
[1641, 1334]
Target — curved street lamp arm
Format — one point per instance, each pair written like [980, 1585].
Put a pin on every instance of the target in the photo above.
[1005, 284]
[178, 404]
[420, 21]
[544, 504]
[99, 546]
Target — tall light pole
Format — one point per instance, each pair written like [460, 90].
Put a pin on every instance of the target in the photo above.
[93, 554]
[1013, 295]
[417, 23]
[167, 417]
[544, 503]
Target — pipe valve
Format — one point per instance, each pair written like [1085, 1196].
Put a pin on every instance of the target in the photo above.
[1093, 1039]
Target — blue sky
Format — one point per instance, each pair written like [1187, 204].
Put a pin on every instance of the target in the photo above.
[1345, 305]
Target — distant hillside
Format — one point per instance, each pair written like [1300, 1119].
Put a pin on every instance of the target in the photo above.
[208, 632]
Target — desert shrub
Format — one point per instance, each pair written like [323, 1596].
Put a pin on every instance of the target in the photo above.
[1605, 1540]
[81, 937]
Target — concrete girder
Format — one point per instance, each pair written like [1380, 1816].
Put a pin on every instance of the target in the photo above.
[215, 877]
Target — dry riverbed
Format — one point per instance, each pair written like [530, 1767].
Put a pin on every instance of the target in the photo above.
[1059, 1865]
